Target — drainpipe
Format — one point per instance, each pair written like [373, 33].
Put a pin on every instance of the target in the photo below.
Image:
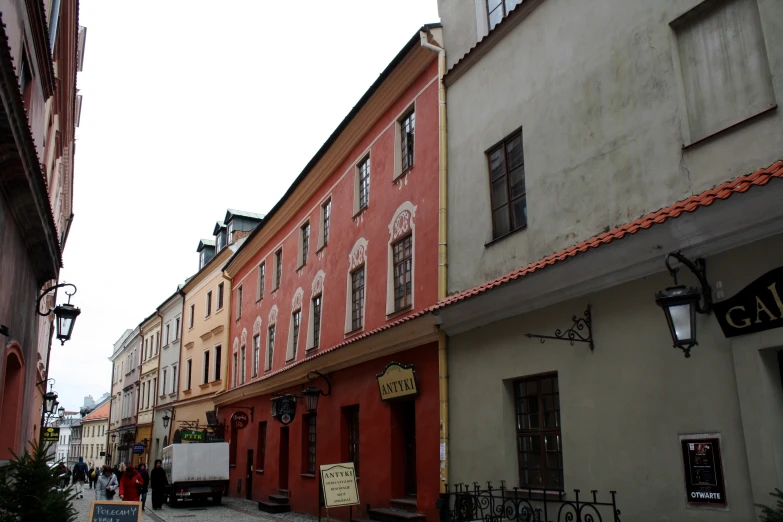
[443, 373]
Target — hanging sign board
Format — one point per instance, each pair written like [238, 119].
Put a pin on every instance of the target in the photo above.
[51, 434]
[704, 484]
[339, 485]
[755, 308]
[114, 511]
[286, 409]
[192, 436]
[396, 381]
[239, 420]
[138, 449]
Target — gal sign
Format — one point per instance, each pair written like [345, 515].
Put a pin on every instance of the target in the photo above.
[755, 308]
[239, 420]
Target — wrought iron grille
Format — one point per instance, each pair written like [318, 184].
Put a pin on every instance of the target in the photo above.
[469, 503]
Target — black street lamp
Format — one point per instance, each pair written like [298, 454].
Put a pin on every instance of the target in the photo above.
[680, 303]
[61, 412]
[166, 418]
[311, 395]
[50, 401]
[113, 437]
[66, 314]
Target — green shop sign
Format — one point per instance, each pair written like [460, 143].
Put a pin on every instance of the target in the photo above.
[192, 436]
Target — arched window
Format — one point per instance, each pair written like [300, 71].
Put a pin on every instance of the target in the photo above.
[11, 407]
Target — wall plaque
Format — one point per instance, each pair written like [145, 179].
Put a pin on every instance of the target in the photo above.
[397, 380]
[286, 409]
[339, 485]
[239, 420]
[755, 308]
[51, 434]
[704, 484]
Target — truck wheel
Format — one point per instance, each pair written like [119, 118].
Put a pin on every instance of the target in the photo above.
[217, 499]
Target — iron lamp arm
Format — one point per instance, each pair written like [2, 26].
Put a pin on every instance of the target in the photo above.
[47, 291]
[699, 269]
[319, 374]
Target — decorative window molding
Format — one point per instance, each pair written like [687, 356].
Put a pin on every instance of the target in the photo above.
[401, 225]
[243, 341]
[356, 259]
[272, 319]
[270, 339]
[316, 290]
[296, 307]
[257, 326]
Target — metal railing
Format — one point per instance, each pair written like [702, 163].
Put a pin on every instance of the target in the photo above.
[469, 503]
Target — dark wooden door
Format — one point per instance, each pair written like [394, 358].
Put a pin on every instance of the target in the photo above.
[283, 458]
[409, 445]
[249, 479]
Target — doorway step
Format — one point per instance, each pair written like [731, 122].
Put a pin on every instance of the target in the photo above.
[402, 510]
[277, 503]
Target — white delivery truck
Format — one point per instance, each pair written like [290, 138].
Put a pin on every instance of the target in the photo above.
[196, 471]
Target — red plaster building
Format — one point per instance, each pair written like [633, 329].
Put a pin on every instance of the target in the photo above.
[334, 280]
[41, 50]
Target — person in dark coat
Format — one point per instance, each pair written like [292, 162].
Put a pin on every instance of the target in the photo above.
[158, 483]
[145, 486]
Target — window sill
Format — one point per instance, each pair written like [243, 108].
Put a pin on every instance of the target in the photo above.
[207, 316]
[218, 310]
[175, 341]
[172, 394]
[300, 267]
[204, 386]
[217, 382]
[354, 332]
[260, 471]
[321, 248]
[730, 127]
[307, 475]
[360, 211]
[401, 174]
[504, 236]
[187, 392]
[311, 349]
[165, 346]
[402, 311]
[259, 299]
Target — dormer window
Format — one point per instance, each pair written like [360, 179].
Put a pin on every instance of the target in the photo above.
[220, 239]
[230, 232]
[203, 259]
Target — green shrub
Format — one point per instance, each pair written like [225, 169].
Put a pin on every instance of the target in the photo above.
[773, 515]
[28, 490]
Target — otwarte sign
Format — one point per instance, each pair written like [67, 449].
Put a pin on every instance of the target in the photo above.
[757, 307]
[397, 380]
[339, 485]
[703, 468]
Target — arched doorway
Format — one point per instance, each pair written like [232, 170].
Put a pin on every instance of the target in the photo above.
[11, 408]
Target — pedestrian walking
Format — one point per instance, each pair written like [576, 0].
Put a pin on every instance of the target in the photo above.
[158, 482]
[130, 484]
[92, 475]
[80, 472]
[106, 485]
[145, 476]
[63, 474]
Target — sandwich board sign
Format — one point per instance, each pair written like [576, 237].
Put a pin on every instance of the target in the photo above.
[339, 485]
[115, 511]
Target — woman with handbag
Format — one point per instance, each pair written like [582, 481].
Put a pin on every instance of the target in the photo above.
[107, 485]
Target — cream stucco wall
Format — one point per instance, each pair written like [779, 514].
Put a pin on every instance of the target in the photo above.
[94, 440]
[151, 332]
[624, 406]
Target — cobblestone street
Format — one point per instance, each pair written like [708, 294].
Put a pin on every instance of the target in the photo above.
[232, 510]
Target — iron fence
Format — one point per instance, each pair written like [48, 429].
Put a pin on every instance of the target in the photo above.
[469, 503]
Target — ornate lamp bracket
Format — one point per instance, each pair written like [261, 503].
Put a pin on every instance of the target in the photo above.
[580, 332]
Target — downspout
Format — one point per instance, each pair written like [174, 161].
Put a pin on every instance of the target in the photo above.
[443, 370]
[225, 352]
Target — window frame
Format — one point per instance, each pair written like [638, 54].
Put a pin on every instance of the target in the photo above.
[256, 354]
[407, 297]
[304, 243]
[205, 369]
[239, 302]
[221, 290]
[309, 438]
[261, 447]
[296, 327]
[278, 268]
[357, 310]
[208, 304]
[189, 374]
[503, 10]
[405, 147]
[326, 221]
[218, 355]
[363, 183]
[192, 315]
[261, 281]
[503, 144]
[317, 311]
[270, 347]
[542, 431]
[353, 431]
[243, 364]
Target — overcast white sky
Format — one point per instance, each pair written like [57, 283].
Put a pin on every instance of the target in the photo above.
[192, 107]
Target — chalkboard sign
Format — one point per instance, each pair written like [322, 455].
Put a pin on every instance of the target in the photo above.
[115, 511]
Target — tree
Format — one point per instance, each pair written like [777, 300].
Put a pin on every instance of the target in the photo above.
[28, 491]
[773, 515]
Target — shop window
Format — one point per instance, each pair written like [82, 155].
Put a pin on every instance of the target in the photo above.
[539, 442]
[261, 446]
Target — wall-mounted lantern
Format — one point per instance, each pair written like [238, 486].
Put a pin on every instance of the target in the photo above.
[680, 303]
[65, 314]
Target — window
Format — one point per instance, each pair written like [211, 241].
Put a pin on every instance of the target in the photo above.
[243, 369]
[309, 440]
[407, 126]
[498, 9]
[157, 342]
[230, 232]
[403, 272]
[261, 281]
[206, 367]
[163, 382]
[316, 321]
[166, 335]
[278, 267]
[234, 370]
[218, 352]
[357, 298]
[270, 350]
[507, 186]
[304, 233]
[352, 418]
[221, 288]
[203, 259]
[192, 313]
[173, 378]
[539, 444]
[364, 183]
[261, 446]
[326, 216]
[221, 240]
[209, 304]
[256, 354]
[176, 328]
[297, 321]
[239, 302]
[189, 373]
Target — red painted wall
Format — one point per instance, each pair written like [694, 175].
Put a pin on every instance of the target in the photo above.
[380, 477]
[419, 186]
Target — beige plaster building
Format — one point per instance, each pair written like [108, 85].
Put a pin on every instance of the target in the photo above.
[95, 428]
[150, 334]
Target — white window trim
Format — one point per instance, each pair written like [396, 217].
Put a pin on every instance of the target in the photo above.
[296, 305]
[321, 228]
[217, 295]
[275, 269]
[302, 260]
[356, 179]
[259, 293]
[402, 224]
[397, 172]
[272, 320]
[257, 325]
[208, 304]
[316, 289]
[239, 302]
[356, 259]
